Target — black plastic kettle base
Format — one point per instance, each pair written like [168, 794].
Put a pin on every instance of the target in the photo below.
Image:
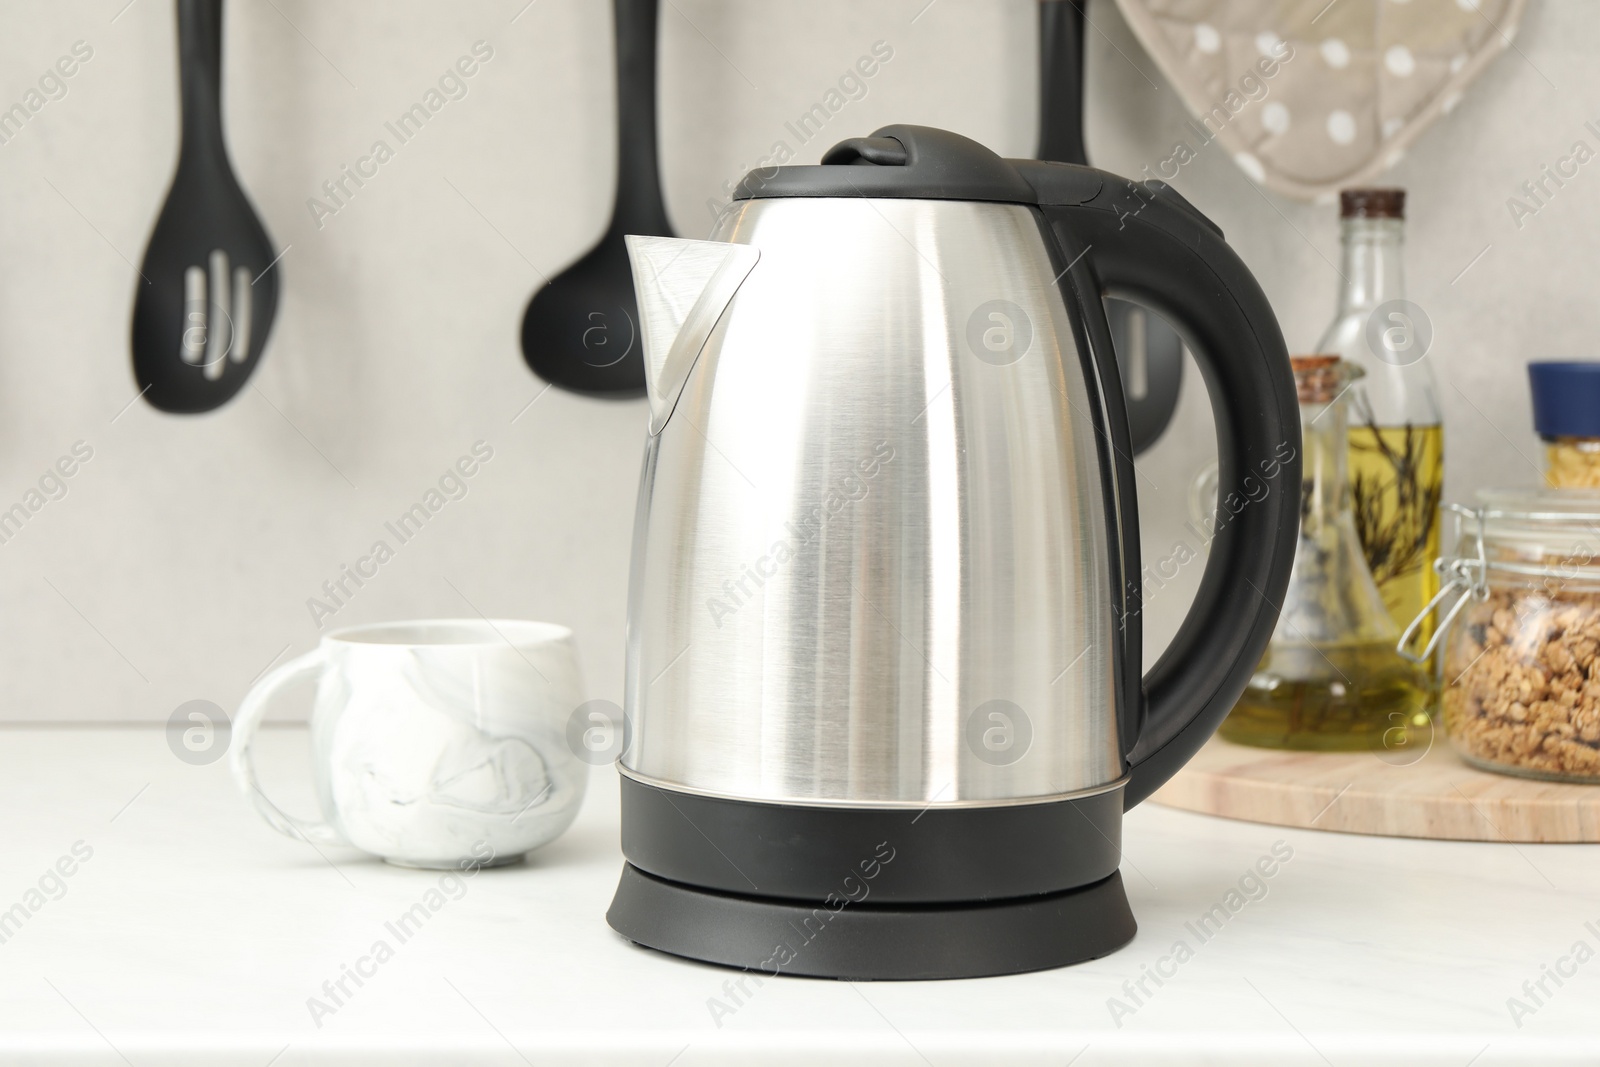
[872, 892]
[866, 942]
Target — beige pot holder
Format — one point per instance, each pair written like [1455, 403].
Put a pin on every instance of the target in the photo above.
[1351, 84]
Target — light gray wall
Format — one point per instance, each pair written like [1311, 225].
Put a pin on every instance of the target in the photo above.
[179, 563]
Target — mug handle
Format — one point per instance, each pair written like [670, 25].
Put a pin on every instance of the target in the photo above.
[242, 760]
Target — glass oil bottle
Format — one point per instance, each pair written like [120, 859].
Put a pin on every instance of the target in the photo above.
[1331, 679]
[1396, 438]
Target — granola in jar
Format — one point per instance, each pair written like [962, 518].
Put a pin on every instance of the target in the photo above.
[1524, 684]
[1521, 664]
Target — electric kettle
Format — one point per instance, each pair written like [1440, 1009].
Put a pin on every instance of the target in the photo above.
[883, 707]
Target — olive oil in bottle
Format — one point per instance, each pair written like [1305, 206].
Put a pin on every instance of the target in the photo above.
[1396, 480]
[1331, 678]
[1396, 440]
[1332, 698]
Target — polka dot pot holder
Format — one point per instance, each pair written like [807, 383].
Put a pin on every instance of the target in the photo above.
[1309, 99]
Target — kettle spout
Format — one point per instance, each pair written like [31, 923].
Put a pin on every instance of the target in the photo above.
[682, 287]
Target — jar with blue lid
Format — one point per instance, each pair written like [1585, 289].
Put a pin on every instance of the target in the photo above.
[1566, 414]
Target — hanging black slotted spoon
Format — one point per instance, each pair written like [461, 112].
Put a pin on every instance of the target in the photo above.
[581, 331]
[209, 285]
[1149, 353]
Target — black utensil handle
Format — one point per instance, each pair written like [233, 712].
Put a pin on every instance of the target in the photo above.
[1061, 81]
[1144, 242]
[200, 73]
[638, 203]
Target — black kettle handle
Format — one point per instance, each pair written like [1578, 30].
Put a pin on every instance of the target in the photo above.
[1144, 242]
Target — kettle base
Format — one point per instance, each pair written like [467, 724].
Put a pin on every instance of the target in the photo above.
[866, 942]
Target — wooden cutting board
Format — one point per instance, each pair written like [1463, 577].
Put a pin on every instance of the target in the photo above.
[1436, 796]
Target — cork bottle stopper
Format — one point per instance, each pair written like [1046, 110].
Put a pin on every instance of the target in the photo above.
[1317, 379]
[1372, 204]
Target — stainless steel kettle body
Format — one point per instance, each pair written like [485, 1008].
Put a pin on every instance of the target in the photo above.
[871, 552]
[883, 616]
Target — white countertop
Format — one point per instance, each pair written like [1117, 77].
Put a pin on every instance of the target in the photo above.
[194, 934]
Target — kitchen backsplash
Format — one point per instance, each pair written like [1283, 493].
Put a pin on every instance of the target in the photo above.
[423, 167]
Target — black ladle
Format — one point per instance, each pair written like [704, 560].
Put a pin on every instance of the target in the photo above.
[581, 331]
[209, 284]
[1149, 352]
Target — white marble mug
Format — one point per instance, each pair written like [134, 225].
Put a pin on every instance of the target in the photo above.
[434, 743]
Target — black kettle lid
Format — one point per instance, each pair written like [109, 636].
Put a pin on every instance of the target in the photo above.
[916, 162]
[922, 163]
